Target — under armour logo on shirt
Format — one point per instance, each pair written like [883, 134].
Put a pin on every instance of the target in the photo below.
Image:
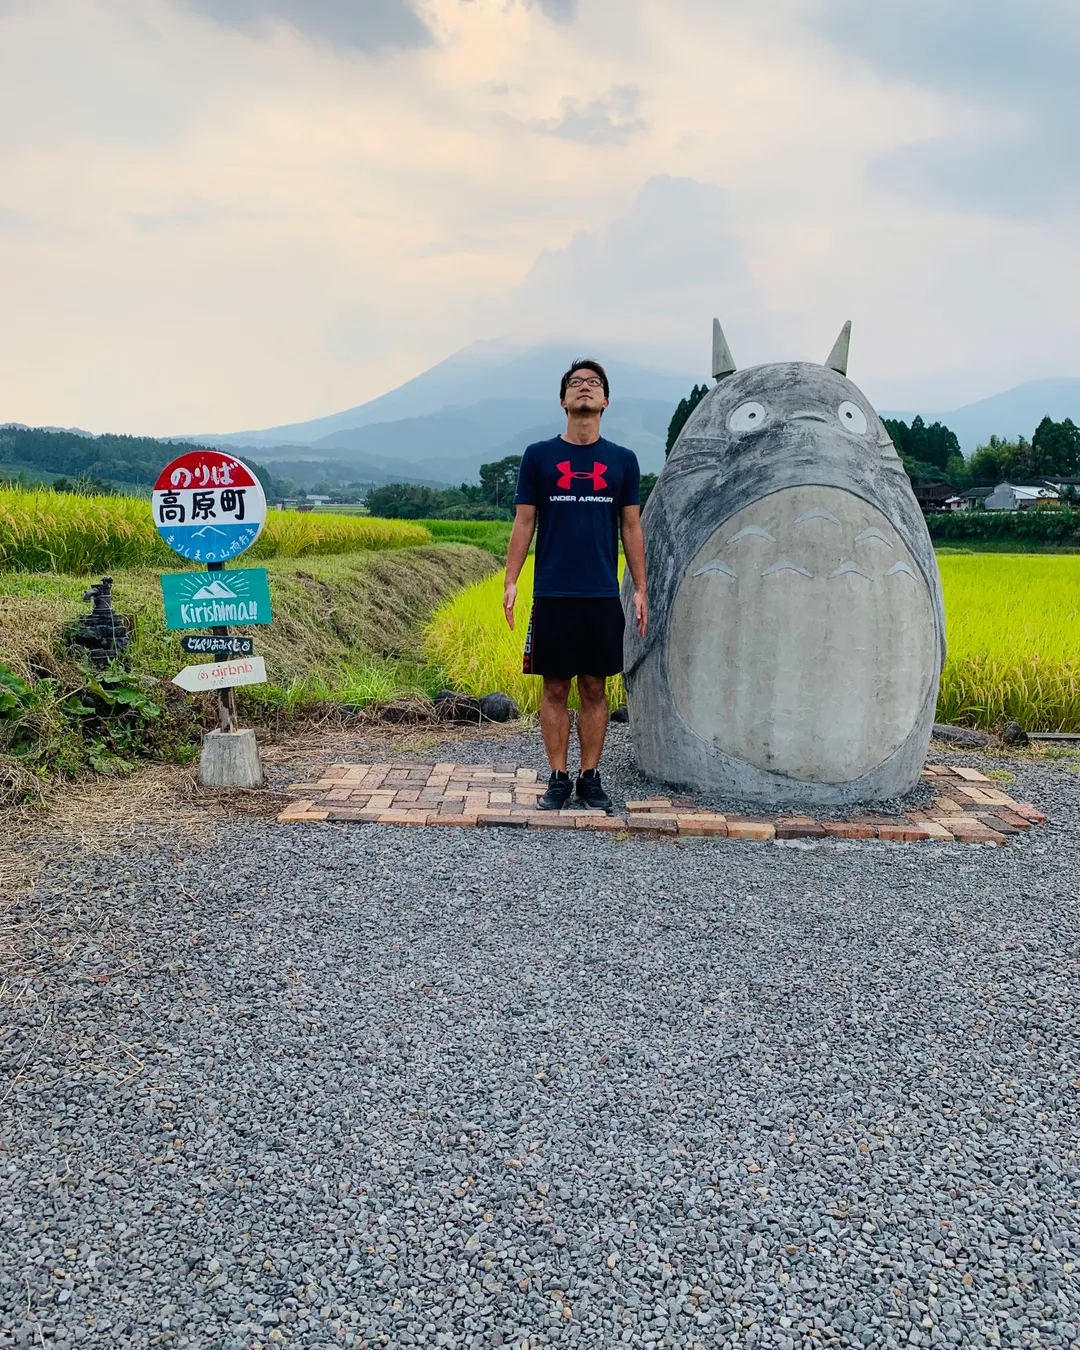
[596, 475]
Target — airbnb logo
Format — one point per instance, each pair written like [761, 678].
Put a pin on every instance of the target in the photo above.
[566, 475]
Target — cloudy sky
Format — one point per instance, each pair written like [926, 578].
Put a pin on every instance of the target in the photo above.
[217, 214]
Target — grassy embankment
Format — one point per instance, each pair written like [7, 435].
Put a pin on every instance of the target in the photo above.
[350, 599]
[1013, 631]
[493, 535]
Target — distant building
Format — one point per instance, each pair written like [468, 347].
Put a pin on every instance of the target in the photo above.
[1068, 489]
[316, 500]
[1019, 497]
[932, 496]
[972, 499]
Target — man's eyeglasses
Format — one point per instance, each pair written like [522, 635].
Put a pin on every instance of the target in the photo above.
[579, 380]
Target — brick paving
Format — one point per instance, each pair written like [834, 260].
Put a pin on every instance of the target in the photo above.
[967, 807]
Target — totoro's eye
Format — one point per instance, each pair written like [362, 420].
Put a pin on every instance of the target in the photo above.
[746, 417]
[852, 417]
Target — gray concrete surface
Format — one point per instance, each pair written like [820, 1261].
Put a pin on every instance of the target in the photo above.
[367, 1086]
[230, 759]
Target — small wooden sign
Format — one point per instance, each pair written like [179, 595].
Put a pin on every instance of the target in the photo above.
[222, 675]
[197, 644]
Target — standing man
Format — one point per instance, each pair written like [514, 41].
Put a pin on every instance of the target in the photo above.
[584, 491]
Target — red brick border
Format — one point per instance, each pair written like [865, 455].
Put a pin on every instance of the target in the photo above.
[967, 807]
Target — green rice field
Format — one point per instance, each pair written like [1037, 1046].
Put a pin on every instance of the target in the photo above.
[1013, 625]
[469, 637]
[43, 531]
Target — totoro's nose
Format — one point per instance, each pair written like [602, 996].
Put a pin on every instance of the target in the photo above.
[808, 415]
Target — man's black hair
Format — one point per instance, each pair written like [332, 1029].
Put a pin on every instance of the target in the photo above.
[586, 363]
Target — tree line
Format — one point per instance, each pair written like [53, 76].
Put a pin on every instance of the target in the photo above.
[490, 499]
[95, 465]
[931, 452]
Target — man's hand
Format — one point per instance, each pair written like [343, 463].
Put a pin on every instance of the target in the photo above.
[641, 611]
[516, 553]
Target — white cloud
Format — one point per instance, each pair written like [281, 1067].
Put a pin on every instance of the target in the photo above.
[208, 225]
[1012, 66]
[658, 272]
[366, 24]
[601, 121]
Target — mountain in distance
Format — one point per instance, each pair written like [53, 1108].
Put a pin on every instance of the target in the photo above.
[488, 400]
[24, 426]
[496, 370]
[1014, 412]
[453, 442]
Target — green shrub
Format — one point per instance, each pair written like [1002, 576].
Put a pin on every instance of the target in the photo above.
[88, 719]
[1034, 526]
[16, 701]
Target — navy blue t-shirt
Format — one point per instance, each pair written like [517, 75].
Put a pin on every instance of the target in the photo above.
[578, 492]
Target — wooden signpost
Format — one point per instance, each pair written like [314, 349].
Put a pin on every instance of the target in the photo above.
[222, 674]
[198, 645]
[208, 506]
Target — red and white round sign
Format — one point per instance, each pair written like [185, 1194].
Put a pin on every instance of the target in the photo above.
[208, 506]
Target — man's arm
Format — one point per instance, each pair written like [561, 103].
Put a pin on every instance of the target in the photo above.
[633, 542]
[516, 553]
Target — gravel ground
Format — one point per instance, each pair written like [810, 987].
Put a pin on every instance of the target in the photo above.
[336, 1085]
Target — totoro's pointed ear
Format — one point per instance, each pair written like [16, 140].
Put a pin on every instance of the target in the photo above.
[722, 364]
[839, 354]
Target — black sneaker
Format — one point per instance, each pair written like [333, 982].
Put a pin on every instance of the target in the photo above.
[558, 792]
[590, 791]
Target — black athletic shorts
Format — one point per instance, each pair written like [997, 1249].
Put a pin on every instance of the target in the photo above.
[574, 635]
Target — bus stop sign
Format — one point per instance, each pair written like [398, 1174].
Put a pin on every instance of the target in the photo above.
[208, 506]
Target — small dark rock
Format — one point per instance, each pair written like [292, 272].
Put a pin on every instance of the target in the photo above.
[405, 710]
[1014, 734]
[964, 736]
[620, 714]
[451, 707]
[498, 707]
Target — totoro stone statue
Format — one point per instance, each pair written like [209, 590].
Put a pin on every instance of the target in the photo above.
[796, 630]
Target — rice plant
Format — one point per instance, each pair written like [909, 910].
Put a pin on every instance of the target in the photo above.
[43, 531]
[1013, 624]
[493, 535]
[470, 638]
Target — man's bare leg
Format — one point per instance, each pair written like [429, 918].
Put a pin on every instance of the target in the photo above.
[555, 722]
[592, 719]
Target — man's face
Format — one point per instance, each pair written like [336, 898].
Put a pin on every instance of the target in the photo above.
[584, 392]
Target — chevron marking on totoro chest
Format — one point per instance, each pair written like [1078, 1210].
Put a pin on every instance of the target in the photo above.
[786, 565]
[816, 513]
[872, 532]
[716, 566]
[847, 568]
